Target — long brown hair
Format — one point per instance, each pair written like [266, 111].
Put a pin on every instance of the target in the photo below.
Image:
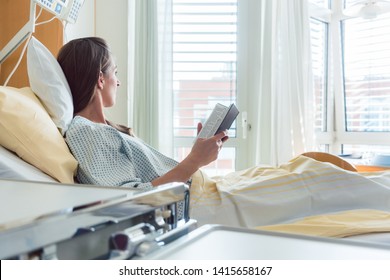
[82, 60]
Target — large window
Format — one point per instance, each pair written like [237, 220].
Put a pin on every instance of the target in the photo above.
[366, 61]
[366, 77]
[204, 70]
[351, 75]
[356, 117]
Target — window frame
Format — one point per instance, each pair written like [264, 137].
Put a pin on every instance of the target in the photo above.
[337, 135]
[326, 137]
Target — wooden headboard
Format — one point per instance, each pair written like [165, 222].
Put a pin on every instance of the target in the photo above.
[14, 14]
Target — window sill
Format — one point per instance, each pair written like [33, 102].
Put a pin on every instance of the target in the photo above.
[371, 168]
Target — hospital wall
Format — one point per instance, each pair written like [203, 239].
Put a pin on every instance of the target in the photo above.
[107, 19]
[14, 15]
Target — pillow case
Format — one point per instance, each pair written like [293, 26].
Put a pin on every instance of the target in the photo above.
[48, 82]
[13, 167]
[27, 129]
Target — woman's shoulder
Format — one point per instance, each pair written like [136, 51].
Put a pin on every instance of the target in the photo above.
[81, 125]
[84, 134]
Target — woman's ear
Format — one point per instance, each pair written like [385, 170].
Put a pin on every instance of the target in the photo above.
[100, 82]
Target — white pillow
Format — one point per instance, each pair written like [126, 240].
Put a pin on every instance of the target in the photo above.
[48, 82]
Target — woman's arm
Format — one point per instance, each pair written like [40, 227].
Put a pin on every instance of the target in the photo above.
[202, 153]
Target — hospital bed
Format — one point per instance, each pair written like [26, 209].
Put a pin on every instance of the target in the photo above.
[36, 168]
[43, 219]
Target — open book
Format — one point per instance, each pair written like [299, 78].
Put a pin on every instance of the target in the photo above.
[221, 118]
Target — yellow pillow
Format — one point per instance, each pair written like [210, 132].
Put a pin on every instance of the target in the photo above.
[27, 129]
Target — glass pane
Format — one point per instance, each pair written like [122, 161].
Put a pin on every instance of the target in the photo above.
[318, 36]
[204, 70]
[367, 74]
[204, 61]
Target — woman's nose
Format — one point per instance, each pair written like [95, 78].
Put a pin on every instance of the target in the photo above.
[118, 83]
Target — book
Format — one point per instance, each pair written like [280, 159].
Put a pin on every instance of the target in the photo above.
[220, 119]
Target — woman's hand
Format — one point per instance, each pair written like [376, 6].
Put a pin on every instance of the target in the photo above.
[200, 126]
[204, 151]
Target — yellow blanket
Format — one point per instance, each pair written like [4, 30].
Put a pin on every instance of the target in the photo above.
[301, 189]
[344, 224]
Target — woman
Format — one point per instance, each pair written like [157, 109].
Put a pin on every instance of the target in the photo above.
[109, 154]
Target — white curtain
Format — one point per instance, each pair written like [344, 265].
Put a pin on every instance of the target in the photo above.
[145, 107]
[284, 116]
[165, 79]
[152, 109]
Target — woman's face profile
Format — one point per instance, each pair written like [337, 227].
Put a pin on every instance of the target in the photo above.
[110, 86]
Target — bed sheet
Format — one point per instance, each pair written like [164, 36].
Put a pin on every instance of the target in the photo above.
[13, 167]
[266, 196]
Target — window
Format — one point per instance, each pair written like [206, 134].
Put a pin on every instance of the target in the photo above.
[204, 70]
[366, 63]
[352, 92]
[366, 81]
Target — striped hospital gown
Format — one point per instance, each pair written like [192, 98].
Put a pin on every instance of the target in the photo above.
[111, 158]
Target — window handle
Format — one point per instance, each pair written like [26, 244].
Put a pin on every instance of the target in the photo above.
[244, 123]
